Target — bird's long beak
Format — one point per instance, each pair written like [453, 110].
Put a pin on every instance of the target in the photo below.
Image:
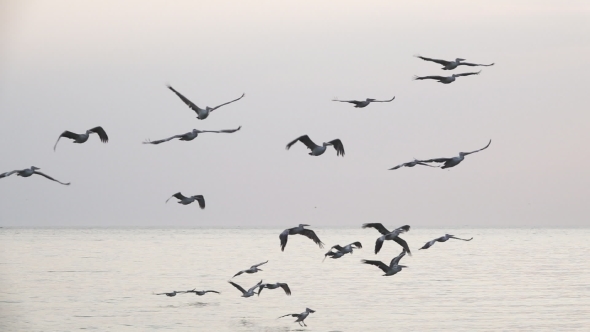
[403, 266]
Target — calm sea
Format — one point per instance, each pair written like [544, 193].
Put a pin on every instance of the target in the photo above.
[104, 280]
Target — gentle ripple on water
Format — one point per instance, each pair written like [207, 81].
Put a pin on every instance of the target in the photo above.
[104, 279]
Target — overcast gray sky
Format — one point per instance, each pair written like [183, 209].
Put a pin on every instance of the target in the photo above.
[73, 65]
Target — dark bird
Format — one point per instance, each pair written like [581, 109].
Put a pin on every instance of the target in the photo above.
[284, 286]
[454, 161]
[445, 79]
[187, 200]
[299, 230]
[387, 235]
[201, 293]
[317, 150]
[202, 114]
[300, 317]
[442, 239]
[245, 293]
[393, 267]
[449, 65]
[341, 251]
[411, 164]
[81, 138]
[252, 269]
[170, 294]
[191, 135]
[25, 173]
[364, 103]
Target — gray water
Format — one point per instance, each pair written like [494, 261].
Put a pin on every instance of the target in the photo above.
[104, 280]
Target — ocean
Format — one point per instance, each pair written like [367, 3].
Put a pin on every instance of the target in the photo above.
[104, 279]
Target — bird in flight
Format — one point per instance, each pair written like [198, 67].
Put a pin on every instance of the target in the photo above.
[364, 103]
[300, 317]
[449, 65]
[299, 230]
[317, 150]
[393, 267]
[453, 161]
[252, 269]
[341, 251]
[81, 138]
[201, 293]
[245, 293]
[445, 79]
[411, 164]
[202, 113]
[170, 294]
[284, 286]
[187, 200]
[442, 239]
[25, 173]
[387, 235]
[191, 135]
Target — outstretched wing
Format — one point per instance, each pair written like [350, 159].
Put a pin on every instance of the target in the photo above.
[403, 229]
[429, 77]
[201, 201]
[357, 244]
[162, 140]
[379, 244]
[337, 144]
[305, 140]
[383, 101]
[311, 234]
[456, 238]
[402, 243]
[485, 147]
[257, 265]
[356, 102]
[378, 226]
[442, 62]
[177, 195]
[254, 287]
[378, 264]
[67, 134]
[429, 244]
[3, 175]
[229, 102]
[286, 288]
[436, 160]
[467, 74]
[337, 247]
[101, 133]
[189, 103]
[211, 291]
[473, 64]
[52, 179]
[294, 315]
[395, 260]
[227, 131]
[284, 236]
[238, 287]
[237, 274]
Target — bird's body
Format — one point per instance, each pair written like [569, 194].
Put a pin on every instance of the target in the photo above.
[411, 164]
[300, 317]
[188, 200]
[249, 292]
[201, 293]
[252, 269]
[393, 267]
[444, 238]
[453, 161]
[170, 294]
[450, 65]
[445, 79]
[25, 173]
[284, 286]
[364, 103]
[299, 230]
[81, 138]
[341, 251]
[317, 150]
[387, 235]
[202, 113]
[191, 135]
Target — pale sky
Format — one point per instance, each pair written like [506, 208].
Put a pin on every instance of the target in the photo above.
[73, 65]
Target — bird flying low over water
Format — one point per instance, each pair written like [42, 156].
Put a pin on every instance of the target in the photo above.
[387, 235]
[449, 65]
[411, 164]
[202, 114]
[252, 269]
[300, 317]
[191, 135]
[453, 161]
[364, 103]
[341, 251]
[81, 138]
[201, 293]
[393, 267]
[445, 79]
[299, 230]
[187, 200]
[317, 150]
[170, 294]
[442, 239]
[284, 286]
[245, 293]
[25, 173]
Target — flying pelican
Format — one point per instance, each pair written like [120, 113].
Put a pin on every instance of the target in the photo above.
[170, 294]
[201, 293]
[387, 235]
[252, 269]
[202, 114]
[442, 239]
[454, 161]
[333, 255]
[449, 65]
[191, 135]
[411, 164]
[445, 79]
[317, 150]
[341, 251]
[187, 200]
[250, 291]
[81, 138]
[364, 103]
[300, 317]
[299, 230]
[25, 173]
[284, 286]
[393, 267]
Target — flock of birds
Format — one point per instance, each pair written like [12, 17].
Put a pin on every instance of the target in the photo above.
[335, 251]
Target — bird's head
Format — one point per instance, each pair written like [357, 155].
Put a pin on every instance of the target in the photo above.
[309, 310]
[459, 60]
[34, 168]
[370, 99]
